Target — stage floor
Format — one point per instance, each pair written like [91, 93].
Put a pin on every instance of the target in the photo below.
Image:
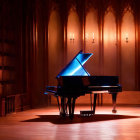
[45, 124]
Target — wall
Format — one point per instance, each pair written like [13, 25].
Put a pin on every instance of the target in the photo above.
[128, 56]
[92, 31]
[112, 54]
[42, 32]
[110, 47]
[74, 33]
[55, 46]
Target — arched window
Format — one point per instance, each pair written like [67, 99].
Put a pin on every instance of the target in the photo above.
[73, 34]
[92, 41]
[128, 50]
[109, 39]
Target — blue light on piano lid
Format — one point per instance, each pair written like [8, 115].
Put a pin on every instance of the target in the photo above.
[108, 86]
[83, 57]
[105, 86]
[46, 93]
[80, 71]
[75, 67]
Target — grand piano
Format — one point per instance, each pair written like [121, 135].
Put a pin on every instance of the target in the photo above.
[75, 81]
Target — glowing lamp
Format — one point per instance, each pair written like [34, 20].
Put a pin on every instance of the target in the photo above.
[86, 35]
[93, 38]
[126, 38]
[72, 36]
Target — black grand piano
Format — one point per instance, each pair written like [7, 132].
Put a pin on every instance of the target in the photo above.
[75, 81]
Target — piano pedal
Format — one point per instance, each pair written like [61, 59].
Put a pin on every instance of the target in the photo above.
[71, 116]
[63, 115]
[114, 111]
[87, 113]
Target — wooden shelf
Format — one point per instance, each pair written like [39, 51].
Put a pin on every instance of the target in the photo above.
[7, 41]
[7, 68]
[6, 54]
[7, 82]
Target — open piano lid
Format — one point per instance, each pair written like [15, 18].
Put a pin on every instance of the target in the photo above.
[75, 67]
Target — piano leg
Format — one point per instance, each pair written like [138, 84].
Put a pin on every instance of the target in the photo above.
[114, 96]
[63, 107]
[91, 101]
[71, 104]
[98, 99]
[58, 103]
[94, 104]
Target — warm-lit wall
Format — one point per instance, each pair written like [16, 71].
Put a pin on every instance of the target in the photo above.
[0, 84]
[92, 46]
[73, 32]
[128, 51]
[0, 60]
[110, 48]
[0, 75]
[111, 54]
[55, 47]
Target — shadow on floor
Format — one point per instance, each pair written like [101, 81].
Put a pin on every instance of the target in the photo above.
[56, 119]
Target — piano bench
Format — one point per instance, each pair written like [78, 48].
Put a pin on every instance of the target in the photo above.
[87, 113]
[114, 111]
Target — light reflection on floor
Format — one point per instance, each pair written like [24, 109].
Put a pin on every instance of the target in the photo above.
[45, 124]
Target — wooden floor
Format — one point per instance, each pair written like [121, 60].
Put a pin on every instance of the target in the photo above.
[45, 124]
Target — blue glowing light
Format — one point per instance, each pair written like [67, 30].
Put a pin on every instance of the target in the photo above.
[46, 93]
[75, 67]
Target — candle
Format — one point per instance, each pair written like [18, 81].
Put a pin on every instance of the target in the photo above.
[73, 36]
[126, 37]
[70, 36]
[86, 35]
[93, 36]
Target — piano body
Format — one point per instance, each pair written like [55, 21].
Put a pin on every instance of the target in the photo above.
[75, 81]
